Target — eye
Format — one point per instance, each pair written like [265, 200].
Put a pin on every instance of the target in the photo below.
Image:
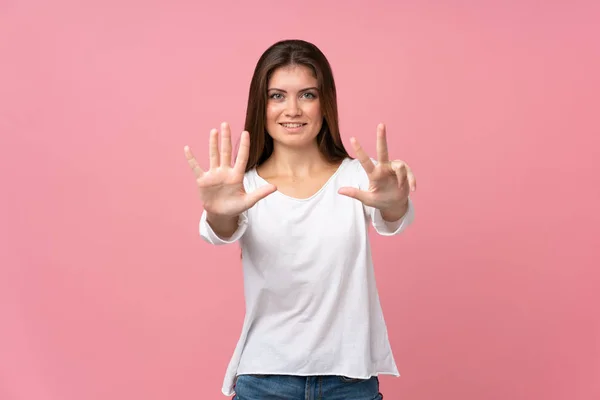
[309, 95]
[276, 96]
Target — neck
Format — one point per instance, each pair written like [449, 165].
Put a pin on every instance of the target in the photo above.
[296, 162]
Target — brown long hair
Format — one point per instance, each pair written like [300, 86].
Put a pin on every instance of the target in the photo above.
[282, 54]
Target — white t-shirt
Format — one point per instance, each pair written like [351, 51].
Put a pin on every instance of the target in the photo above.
[312, 306]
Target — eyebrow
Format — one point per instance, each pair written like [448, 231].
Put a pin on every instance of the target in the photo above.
[303, 90]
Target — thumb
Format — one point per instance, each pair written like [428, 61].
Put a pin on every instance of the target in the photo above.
[355, 193]
[259, 194]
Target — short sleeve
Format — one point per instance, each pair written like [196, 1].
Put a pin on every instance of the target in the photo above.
[381, 226]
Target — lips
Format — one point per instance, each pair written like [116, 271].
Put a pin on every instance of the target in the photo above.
[292, 125]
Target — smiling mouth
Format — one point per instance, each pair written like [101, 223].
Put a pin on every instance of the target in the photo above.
[298, 125]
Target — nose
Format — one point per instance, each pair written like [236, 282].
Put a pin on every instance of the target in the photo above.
[292, 109]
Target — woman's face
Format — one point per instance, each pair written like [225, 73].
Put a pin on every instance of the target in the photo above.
[294, 115]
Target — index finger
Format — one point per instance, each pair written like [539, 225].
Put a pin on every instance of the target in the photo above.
[362, 156]
[192, 162]
[242, 157]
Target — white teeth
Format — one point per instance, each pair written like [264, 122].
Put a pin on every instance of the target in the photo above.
[292, 125]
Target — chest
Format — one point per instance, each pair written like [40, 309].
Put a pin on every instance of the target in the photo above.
[298, 188]
[301, 187]
[280, 226]
[291, 243]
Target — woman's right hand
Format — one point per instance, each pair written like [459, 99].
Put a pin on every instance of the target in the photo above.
[221, 188]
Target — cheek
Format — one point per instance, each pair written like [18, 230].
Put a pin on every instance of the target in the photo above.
[315, 112]
[272, 113]
[313, 108]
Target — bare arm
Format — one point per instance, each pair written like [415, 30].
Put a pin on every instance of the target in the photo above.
[224, 227]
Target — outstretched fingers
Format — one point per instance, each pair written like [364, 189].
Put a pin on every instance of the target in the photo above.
[213, 148]
[225, 145]
[198, 172]
[382, 148]
[362, 156]
[355, 193]
[242, 156]
[258, 194]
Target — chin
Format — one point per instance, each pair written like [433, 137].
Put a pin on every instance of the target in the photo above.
[294, 137]
[295, 141]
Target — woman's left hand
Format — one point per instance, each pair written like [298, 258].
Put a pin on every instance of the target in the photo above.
[390, 182]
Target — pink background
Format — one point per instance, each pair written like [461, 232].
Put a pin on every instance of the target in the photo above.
[108, 292]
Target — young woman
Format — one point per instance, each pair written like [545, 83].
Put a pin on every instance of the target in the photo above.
[300, 207]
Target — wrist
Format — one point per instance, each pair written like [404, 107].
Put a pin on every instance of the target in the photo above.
[222, 225]
[220, 218]
[396, 212]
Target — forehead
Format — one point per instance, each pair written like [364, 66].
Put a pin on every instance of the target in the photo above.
[292, 77]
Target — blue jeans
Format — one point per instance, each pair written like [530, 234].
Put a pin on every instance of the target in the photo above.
[289, 387]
